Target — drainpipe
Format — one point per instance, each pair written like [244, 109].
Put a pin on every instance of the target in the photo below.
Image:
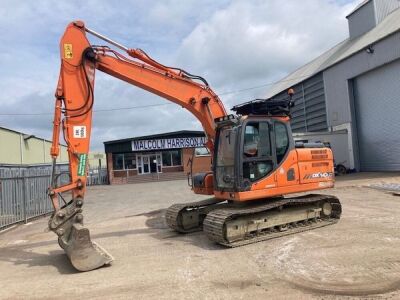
[21, 149]
[44, 151]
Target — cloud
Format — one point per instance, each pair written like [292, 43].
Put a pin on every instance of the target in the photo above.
[253, 42]
[234, 44]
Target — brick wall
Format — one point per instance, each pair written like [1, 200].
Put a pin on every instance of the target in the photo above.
[172, 169]
[110, 168]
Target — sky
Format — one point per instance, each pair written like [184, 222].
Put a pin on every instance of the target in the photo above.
[240, 47]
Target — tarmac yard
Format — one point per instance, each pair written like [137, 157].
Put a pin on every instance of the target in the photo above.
[357, 258]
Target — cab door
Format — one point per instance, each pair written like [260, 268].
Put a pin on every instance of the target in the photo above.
[257, 159]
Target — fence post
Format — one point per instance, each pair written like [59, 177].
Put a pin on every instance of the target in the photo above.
[1, 195]
[98, 175]
[25, 196]
[2, 211]
[99, 172]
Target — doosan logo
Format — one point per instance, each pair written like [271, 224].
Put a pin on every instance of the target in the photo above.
[319, 175]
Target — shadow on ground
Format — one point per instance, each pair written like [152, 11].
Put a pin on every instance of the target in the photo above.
[157, 228]
[24, 256]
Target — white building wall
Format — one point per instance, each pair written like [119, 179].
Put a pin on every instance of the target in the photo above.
[336, 78]
[362, 20]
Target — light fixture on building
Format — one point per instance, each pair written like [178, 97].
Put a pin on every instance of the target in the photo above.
[370, 49]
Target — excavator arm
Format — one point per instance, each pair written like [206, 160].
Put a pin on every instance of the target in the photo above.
[73, 117]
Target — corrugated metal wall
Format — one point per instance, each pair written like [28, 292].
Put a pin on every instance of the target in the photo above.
[309, 112]
[20, 148]
[385, 7]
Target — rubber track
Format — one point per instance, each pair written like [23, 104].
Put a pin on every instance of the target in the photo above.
[173, 213]
[214, 223]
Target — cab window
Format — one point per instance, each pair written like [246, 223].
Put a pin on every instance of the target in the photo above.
[257, 140]
[251, 140]
[257, 160]
[281, 141]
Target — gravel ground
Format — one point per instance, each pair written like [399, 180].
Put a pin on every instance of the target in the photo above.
[357, 258]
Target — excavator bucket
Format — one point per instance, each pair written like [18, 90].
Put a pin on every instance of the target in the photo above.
[74, 238]
[84, 254]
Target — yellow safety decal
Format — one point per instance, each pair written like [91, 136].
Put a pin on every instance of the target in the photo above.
[67, 50]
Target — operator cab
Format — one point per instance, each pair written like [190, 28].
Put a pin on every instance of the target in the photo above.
[250, 146]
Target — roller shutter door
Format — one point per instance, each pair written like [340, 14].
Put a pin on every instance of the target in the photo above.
[377, 110]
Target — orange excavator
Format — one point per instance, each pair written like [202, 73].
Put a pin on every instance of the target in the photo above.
[256, 163]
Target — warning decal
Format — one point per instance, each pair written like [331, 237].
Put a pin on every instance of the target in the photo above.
[80, 132]
[68, 51]
[82, 164]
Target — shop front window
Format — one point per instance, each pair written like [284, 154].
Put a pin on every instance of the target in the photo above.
[171, 158]
[166, 159]
[130, 160]
[124, 161]
[118, 161]
[176, 157]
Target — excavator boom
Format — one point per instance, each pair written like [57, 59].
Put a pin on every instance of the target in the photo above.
[73, 117]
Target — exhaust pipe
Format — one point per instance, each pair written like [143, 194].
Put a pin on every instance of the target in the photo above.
[74, 238]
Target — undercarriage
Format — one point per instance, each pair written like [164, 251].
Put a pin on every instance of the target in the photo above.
[236, 224]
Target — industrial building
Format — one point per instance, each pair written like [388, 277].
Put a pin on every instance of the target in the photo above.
[18, 148]
[355, 86]
[164, 156]
[97, 159]
[22, 149]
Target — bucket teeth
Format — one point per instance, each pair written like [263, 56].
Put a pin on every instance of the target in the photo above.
[84, 254]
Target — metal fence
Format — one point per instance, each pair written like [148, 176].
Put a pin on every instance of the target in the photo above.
[23, 191]
[97, 176]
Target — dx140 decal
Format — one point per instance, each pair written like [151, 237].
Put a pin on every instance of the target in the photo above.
[319, 175]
